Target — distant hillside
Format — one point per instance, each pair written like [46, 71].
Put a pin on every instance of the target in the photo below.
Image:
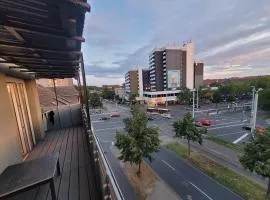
[215, 81]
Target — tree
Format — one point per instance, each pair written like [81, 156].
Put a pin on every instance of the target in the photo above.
[107, 93]
[256, 155]
[94, 100]
[185, 95]
[137, 141]
[264, 99]
[186, 129]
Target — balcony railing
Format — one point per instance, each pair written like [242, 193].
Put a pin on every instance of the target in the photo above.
[104, 174]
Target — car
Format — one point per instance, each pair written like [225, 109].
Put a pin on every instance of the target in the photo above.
[115, 114]
[260, 129]
[198, 123]
[104, 118]
[167, 116]
[150, 118]
[205, 122]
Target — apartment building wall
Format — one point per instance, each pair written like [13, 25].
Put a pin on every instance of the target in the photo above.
[198, 74]
[134, 84]
[146, 79]
[189, 65]
[175, 60]
[11, 148]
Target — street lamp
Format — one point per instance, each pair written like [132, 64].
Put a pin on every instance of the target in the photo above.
[193, 103]
[255, 108]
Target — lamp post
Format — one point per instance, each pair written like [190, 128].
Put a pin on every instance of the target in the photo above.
[197, 98]
[252, 105]
[193, 103]
[255, 108]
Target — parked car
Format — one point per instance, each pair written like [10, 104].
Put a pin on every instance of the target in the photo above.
[104, 118]
[205, 122]
[115, 114]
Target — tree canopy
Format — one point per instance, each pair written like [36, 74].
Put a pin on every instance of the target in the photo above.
[94, 100]
[185, 128]
[257, 155]
[185, 95]
[137, 141]
[107, 93]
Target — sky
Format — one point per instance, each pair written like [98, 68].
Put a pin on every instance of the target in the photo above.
[231, 37]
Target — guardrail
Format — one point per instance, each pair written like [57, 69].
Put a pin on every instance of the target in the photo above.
[108, 183]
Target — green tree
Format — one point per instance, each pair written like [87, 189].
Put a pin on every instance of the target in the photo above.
[137, 141]
[94, 100]
[186, 129]
[264, 99]
[256, 155]
[107, 93]
[185, 95]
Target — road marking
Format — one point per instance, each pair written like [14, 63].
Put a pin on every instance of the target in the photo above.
[112, 128]
[241, 138]
[231, 133]
[200, 191]
[226, 123]
[107, 122]
[172, 168]
[225, 126]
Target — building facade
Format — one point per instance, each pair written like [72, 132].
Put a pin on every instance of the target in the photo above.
[198, 74]
[136, 81]
[171, 68]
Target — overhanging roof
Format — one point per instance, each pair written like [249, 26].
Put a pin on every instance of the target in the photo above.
[41, 38]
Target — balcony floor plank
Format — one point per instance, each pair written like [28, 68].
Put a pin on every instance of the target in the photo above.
[75, 181]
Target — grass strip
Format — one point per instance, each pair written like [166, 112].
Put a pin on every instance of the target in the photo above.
[237, 183]
[226, 143]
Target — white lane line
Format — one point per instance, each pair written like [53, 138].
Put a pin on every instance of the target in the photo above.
[107, 122]
[241, 138]
[200, 191]
[225, 126]
[111, 128]
[226, 123]
[230, 133]
[172, 168]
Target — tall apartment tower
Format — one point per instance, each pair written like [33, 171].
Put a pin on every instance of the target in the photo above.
[136, 81]
[172, 67]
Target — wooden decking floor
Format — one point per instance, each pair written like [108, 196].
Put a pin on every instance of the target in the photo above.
[75, 181]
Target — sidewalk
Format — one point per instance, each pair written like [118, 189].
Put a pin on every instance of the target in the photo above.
[226, 157]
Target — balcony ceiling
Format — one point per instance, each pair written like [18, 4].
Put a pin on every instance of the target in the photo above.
[41, 38]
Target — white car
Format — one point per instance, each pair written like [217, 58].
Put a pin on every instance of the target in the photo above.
[168, 116]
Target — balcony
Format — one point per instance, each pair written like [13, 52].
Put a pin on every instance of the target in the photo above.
[76, 179]
[31, 49]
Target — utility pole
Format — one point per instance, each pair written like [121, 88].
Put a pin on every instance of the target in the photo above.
[197, 98]
[193, 104]
[255, 110]
[252, 106]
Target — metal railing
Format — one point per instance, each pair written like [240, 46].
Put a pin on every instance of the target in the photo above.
[108, 183]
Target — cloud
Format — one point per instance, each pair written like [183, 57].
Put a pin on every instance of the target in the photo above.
[120, 36]
[99, 81]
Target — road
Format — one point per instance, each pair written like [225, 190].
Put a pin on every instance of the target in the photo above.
[188, 182]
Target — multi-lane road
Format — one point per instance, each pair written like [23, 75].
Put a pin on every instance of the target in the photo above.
[186, 181]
